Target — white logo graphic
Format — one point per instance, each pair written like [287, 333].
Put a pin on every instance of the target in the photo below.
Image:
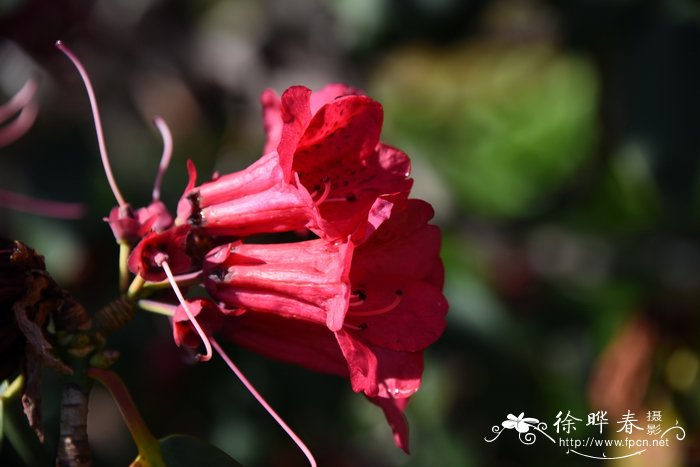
[528, 429]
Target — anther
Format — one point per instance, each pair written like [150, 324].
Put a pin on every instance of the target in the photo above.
[354, 327]
[358, 296]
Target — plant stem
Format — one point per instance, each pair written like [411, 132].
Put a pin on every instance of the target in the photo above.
[124, 251]
[147, 444]
[73, 447]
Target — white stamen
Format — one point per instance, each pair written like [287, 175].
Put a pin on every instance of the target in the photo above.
[264, 403]
[162, 262]
[96, 118]
[165, 158]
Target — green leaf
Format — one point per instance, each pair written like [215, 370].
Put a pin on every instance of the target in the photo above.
[505, 126]
[185, 451]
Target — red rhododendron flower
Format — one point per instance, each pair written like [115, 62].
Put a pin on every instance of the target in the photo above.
[292, 303]
[363, 301]
[393, 271]
[329, 173]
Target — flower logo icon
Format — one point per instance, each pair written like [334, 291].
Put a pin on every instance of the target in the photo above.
[521, 424]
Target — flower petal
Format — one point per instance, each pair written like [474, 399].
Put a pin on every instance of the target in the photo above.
[208, 315]
[303, 280]
[301, 343]
[380, 372]
[394, 413]
[405, 244]
[522, 427]
[280, 208]
[272, 119]
[181, 248]
[412, 325]
[329, 93]
[295, 113]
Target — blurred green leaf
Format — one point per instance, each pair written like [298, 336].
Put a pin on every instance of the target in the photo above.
[504, 124]
[624, 200]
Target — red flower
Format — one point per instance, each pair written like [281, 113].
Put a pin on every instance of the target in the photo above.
[329, 173]
[182, 247]
[132, 226]
[330, 141]
[364, 300]
[292, 303]
[250, 201]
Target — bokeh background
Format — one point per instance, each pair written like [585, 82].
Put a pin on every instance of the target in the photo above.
[558, 142]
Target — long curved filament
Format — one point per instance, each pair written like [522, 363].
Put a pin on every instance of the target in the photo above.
[98, 122]
[263, 402]
[165, 158]
[205, 340]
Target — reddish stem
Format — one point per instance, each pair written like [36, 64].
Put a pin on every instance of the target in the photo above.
[147, 444]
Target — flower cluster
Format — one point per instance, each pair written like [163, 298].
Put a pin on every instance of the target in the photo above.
[362, 299]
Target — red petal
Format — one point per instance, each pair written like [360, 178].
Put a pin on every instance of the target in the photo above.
[329, 141]
[329, 93]
[124, 224]
[259, 176]
[208, 315]
[337, 141]
[378, 214]
[416, 322]
[304, 280]
[272, 119]
[394, 413]
[184, 206]
[280, 208]
[377, 371]
[154, 216]
[296, 114]
[437, 274]
[309, 345]
[174, 244]
[403, 245]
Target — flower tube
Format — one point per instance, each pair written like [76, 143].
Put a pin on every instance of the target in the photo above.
[328, 173]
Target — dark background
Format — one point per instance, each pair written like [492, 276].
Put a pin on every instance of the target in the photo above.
[558, 142]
